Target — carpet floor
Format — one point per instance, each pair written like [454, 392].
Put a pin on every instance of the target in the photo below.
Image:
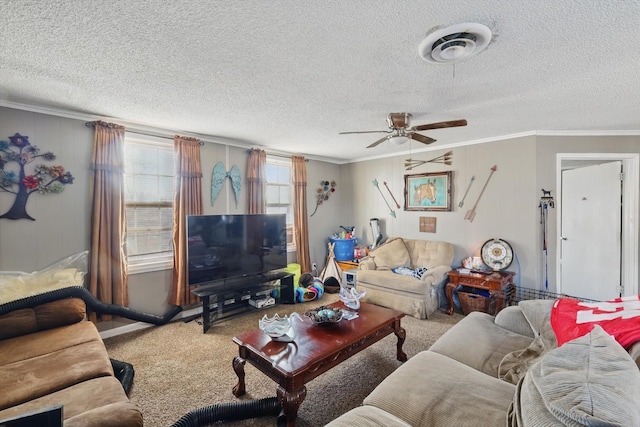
[179, 369]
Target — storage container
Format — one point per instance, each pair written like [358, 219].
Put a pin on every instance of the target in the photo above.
[343, 249]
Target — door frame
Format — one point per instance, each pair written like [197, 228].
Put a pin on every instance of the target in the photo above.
[630, 209]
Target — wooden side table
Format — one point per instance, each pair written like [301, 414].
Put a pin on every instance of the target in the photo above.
[498, 282]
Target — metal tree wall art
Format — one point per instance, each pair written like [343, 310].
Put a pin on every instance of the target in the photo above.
[326, 188]
[44, 179]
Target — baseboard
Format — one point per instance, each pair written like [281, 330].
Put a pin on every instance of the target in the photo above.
[142, 325]
[124, 329]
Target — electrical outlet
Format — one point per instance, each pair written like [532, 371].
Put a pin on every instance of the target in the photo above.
[314, 266]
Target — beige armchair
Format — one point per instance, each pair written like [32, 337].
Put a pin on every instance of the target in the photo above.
[417, 297]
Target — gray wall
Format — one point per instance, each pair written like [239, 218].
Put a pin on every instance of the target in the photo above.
[508, 209]
[62, 224]
[547, 148]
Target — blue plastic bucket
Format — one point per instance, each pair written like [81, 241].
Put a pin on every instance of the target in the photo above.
[343, 249]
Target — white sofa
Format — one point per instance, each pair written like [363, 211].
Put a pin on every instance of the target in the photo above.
[508, 371]
[417, 297]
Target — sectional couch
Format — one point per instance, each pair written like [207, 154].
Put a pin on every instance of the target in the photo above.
[508, 370]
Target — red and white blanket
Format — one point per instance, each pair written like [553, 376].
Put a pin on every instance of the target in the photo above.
[620, 318]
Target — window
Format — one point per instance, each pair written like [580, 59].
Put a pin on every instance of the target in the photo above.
[149, 180]
[279, 192]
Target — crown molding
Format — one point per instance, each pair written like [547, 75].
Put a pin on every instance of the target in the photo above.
[631, 132]
[141, 128]
[154, 131]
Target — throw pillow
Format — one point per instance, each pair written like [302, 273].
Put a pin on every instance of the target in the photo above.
[392, 254]
[589, 381]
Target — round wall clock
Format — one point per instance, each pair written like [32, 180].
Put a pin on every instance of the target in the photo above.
[497, 254]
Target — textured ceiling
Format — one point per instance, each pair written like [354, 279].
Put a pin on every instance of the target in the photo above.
[290, 75]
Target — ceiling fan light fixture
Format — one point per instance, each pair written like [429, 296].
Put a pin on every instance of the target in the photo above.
[454, 43]
[398, 139]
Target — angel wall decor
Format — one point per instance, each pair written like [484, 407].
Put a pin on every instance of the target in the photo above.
[217, 179]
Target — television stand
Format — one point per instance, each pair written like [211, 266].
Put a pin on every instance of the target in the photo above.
[226, 298]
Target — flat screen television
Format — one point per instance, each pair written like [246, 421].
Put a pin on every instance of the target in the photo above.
[229, 246]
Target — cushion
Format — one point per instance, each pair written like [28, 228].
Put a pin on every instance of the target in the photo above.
[429, 253]
[589, 381]
[103, 395]
[43, 316]
[479, 343]
[388, 280]
[512, 319]
[391, 255]
[434, 390]
[367, 416]
[52, 361]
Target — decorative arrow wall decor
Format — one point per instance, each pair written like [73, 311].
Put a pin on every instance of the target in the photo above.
[446, 158]
[471, 214]
[391, 194]
[375, 184]
[466, 192]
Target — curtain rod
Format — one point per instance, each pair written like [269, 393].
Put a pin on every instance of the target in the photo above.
[202, 142]
[147, 133]
[283, 156]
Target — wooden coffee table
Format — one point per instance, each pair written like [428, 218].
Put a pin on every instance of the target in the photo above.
[315, 350]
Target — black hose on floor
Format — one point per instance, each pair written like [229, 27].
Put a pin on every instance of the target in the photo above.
[93, 304]
[233, 412]
[124, 372]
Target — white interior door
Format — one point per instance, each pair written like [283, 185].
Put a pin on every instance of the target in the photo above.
[591, 231]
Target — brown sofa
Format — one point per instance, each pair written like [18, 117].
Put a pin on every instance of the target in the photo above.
[51, 355]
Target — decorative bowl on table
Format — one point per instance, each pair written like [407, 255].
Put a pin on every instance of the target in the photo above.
[325, 315]
[278, 328]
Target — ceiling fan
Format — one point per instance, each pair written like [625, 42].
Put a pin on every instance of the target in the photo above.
[400, 132]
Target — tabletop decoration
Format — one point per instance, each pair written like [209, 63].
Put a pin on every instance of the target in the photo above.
[278, 328]
[351, 298]
[325, 315]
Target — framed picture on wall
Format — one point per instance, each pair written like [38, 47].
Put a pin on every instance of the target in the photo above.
[428, 191]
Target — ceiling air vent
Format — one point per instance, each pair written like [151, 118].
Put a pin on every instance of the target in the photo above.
[454, 43]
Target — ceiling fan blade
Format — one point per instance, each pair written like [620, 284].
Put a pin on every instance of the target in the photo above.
[420, 138]
[440, 125]
[378, 142]
[364, 131]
